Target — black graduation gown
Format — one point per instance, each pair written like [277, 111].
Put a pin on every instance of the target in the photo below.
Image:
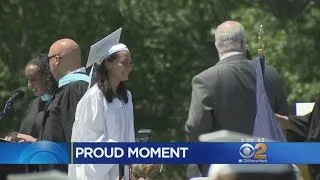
[307, 129]
[30, 125]
[32, 122]
[59, 116]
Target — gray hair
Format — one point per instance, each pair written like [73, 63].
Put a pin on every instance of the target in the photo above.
[229, 37]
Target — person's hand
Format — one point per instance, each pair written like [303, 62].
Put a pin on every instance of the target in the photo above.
[26, 138]
[283, 121]
[8, 138]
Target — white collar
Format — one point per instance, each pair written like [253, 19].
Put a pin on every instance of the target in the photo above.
[229, 54]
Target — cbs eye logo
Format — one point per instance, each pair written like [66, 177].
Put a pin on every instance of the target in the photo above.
[247, 151]
[44, 152]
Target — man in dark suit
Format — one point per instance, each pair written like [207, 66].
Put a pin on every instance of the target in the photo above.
[224, 96]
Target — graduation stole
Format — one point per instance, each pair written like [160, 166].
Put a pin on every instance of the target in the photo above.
[72, 77]
[45, 97]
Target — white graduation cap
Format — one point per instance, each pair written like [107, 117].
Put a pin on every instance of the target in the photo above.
[104, 48]
[100, 50]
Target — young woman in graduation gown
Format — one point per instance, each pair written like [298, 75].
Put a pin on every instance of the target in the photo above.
[42, 84]
[105, 113]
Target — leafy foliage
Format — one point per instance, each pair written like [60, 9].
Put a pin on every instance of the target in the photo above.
[170, 41]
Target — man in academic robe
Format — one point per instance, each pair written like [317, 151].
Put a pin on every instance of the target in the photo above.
[304, 129]
[64, 59]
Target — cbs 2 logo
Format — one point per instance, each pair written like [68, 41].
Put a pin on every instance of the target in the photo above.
[257, 152]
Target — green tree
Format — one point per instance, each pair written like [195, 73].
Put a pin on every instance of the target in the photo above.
[170, 41]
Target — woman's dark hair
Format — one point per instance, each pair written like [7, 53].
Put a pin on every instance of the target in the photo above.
[42, 62]
[100, 76]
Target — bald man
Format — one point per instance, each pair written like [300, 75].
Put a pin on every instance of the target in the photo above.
[64, 59]
[65, 64]
[223, 96]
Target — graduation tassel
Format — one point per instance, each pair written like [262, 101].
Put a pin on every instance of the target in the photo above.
[90, 76]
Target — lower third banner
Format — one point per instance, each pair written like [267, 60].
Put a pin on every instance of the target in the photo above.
[45, 152]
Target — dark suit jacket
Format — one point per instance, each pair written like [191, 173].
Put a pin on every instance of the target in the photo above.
[223, 97]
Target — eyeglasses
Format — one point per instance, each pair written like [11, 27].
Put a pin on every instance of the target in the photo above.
[49, 57]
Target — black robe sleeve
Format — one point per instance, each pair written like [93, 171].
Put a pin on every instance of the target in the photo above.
[307, 126]
[60, 113]
[27, 122]
[298, 128]
[31, 124]
[313, 123]
[68, 105]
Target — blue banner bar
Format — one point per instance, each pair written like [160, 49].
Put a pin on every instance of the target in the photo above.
[195, 153]
[41, 152]
[44, 152]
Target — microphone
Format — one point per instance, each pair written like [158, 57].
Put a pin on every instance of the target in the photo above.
[16, 94]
